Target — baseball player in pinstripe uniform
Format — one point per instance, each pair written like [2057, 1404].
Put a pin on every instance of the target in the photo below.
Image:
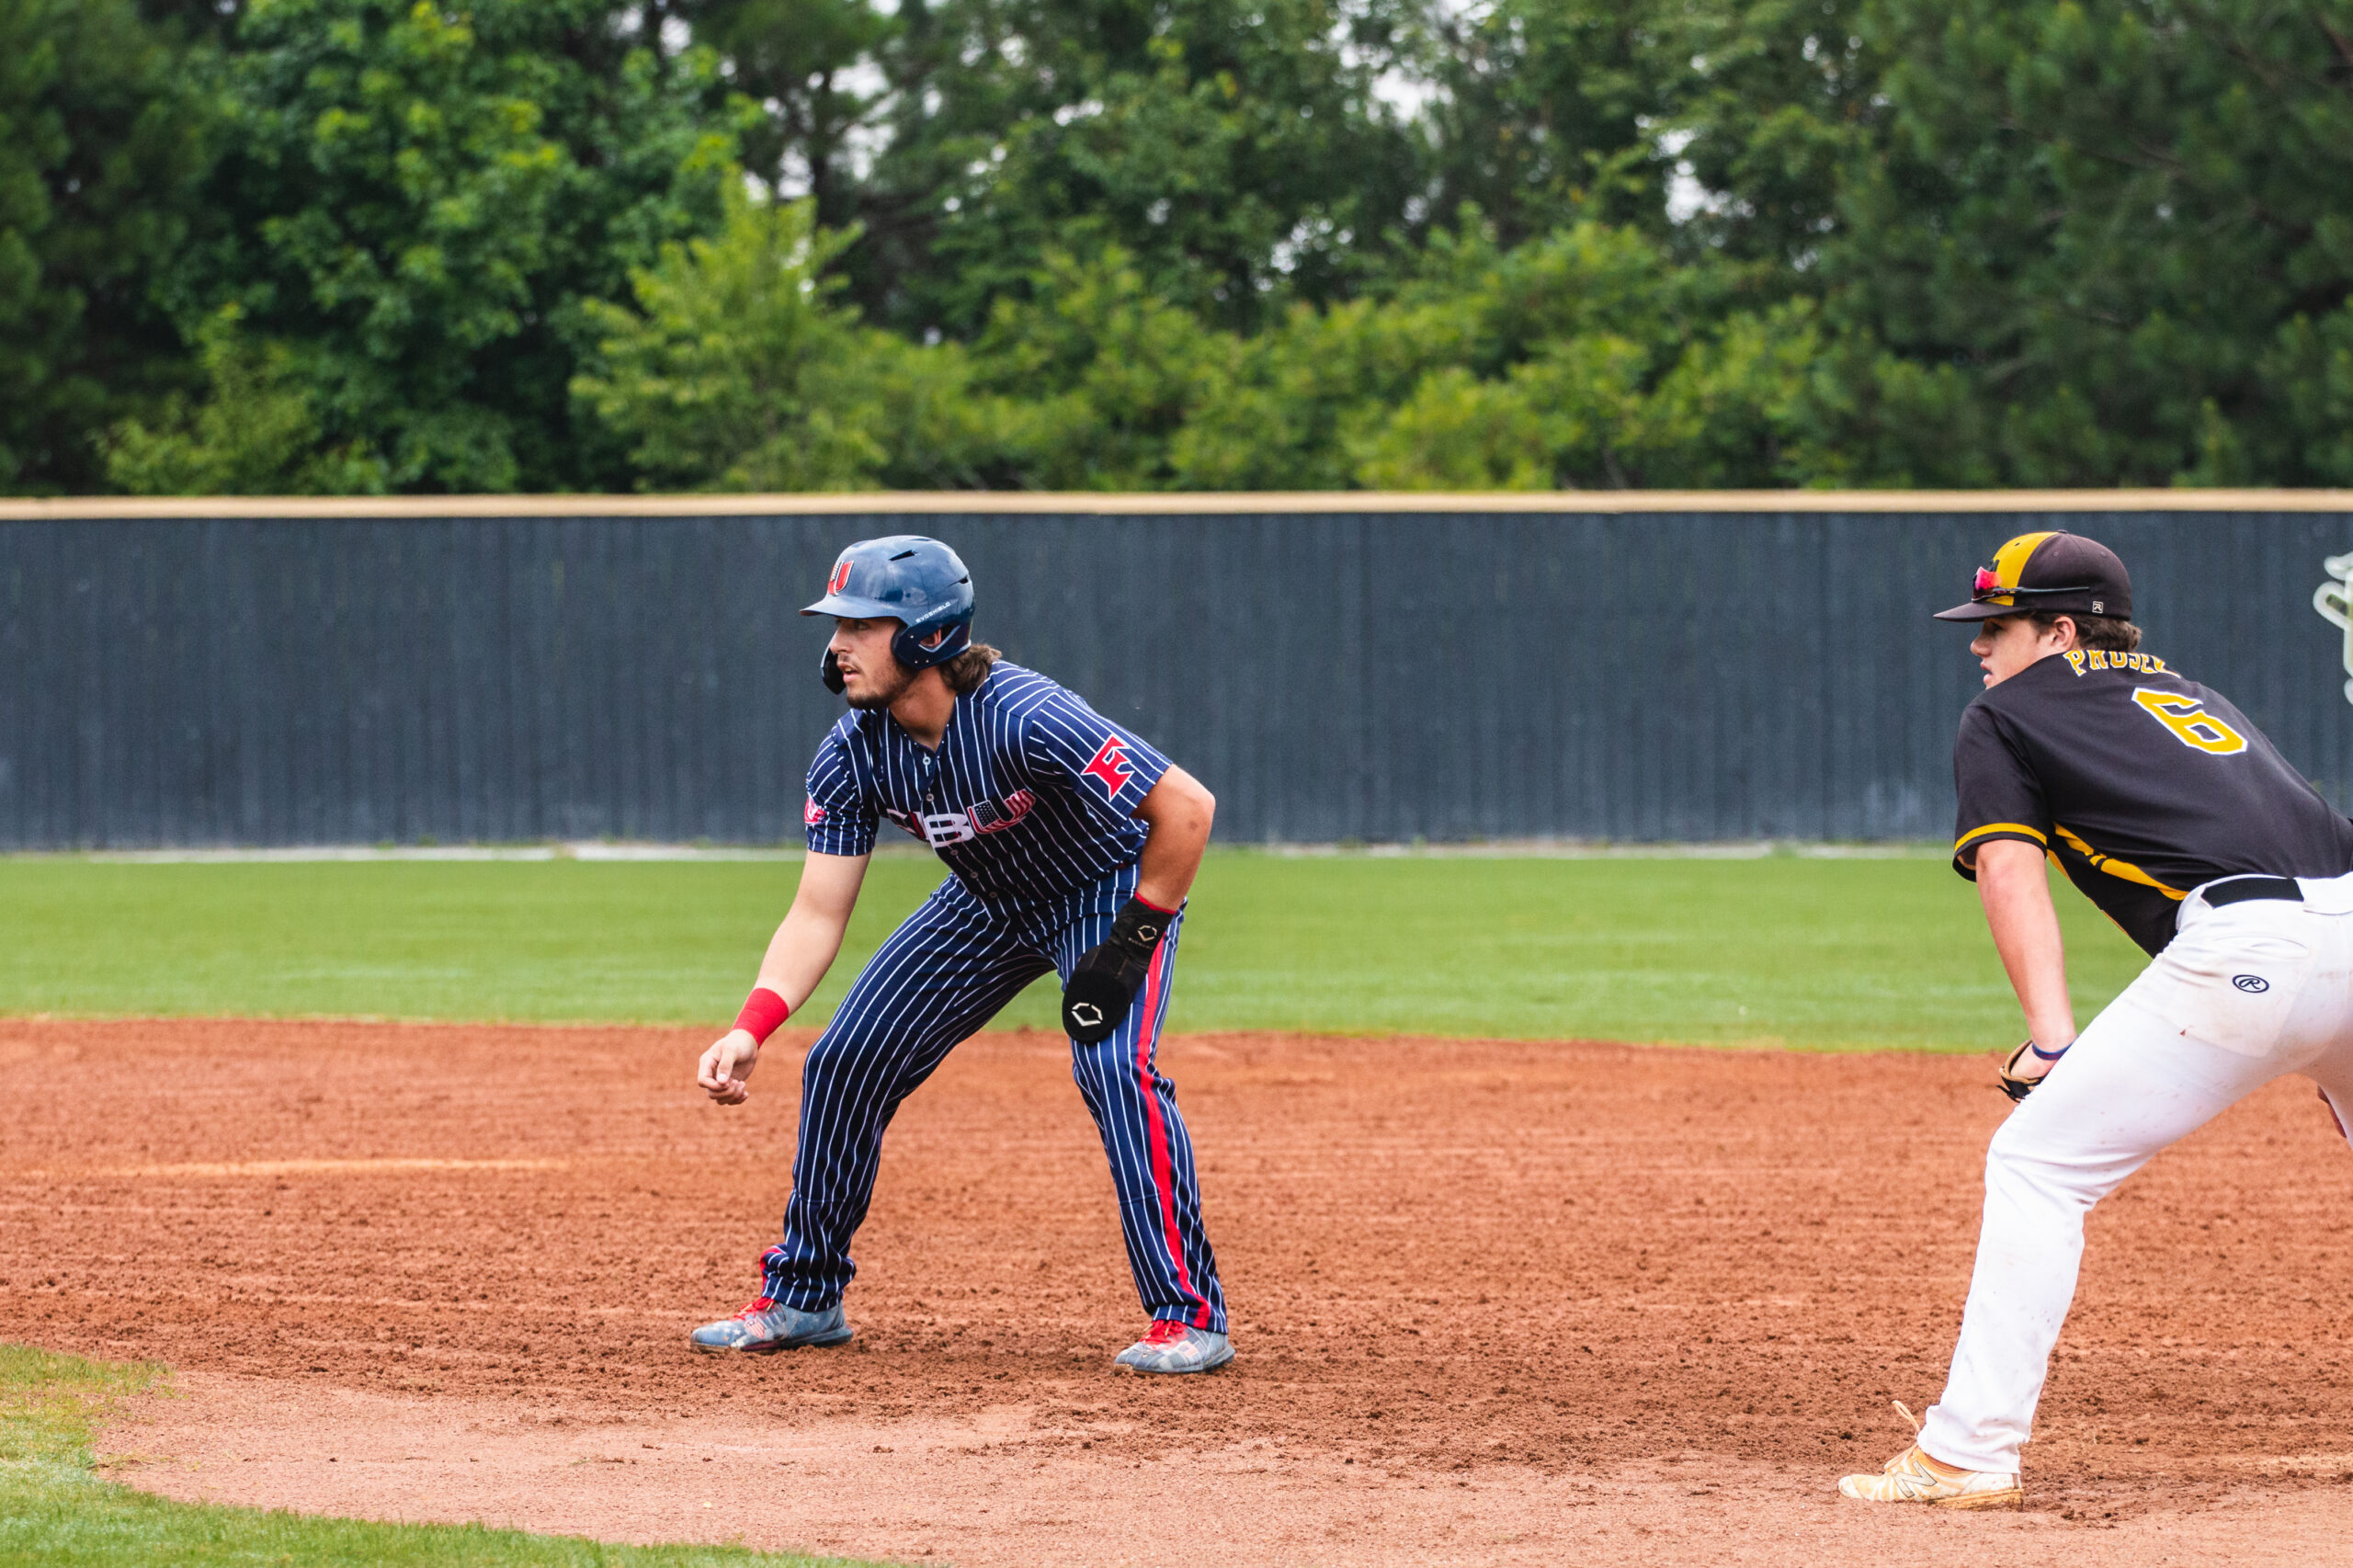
[1071, 843]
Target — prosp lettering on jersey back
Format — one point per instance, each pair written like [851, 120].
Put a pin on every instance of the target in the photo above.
[2082, 659]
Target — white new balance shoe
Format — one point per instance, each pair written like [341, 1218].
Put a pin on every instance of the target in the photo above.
[1913, 1476]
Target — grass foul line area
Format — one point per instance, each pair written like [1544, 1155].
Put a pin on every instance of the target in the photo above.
[57, 1510]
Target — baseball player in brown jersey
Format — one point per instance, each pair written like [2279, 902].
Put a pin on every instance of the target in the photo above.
[2175, 815]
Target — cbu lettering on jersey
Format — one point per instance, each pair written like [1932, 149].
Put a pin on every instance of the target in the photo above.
[1028, 797]
[941, 829]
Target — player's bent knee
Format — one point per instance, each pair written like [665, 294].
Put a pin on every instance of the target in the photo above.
[2023, 1159]
[2010, 1142]
[2016, 1155]
[839, 1051]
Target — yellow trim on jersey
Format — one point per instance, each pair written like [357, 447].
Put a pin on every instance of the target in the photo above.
[2009, 562]
[2116, 868]
[2035, 833]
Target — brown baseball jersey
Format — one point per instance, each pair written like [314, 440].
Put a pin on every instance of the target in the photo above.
[2141, 783]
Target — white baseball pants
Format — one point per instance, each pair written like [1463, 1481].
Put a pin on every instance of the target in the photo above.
[2244, 993]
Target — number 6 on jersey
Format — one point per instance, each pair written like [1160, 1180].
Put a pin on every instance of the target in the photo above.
[2190, 723]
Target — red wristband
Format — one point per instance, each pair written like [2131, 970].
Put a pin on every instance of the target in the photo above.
[764, 1010]
[1149, 904]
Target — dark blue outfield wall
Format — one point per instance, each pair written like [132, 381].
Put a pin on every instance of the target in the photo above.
[1377, 675]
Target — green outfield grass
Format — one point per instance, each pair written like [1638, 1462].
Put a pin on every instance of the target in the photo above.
[56, 1511]
[1832, 953]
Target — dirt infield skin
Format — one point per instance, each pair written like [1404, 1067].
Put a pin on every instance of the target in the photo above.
[1524, 1277]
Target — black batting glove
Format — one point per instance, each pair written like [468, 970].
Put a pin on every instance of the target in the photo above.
[1104, 982]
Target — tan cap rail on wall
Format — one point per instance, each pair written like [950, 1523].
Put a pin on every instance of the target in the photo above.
[888, 501]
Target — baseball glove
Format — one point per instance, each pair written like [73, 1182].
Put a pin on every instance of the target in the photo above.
[2016, 1088]
[1104, 982]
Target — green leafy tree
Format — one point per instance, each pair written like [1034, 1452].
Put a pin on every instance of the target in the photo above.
[2104, 242]
[1549, 112]
[1302, 399]
[257, 430]
[418, 206]
[1776, 100]
[738, 370]
[2311, 362]
[311, 244]
[1237, 154]
[1594, 359]
[1590, 359]
[741, 370]
[813, 67]
[101, 146]
[1097, 375]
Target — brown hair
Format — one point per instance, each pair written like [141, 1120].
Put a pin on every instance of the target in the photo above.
[2105, 632]
[965, 672]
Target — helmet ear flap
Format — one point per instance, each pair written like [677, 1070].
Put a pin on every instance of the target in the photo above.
[907, 645]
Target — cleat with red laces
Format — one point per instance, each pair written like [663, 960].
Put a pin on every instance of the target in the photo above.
[761, 1327]
[1176, 1347]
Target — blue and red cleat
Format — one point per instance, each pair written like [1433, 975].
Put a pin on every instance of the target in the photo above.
[761, 1327]
[1176, 1347]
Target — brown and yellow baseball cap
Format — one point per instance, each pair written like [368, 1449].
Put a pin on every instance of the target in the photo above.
[2053, 571]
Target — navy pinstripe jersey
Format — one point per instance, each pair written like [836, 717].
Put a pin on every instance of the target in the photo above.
[1028, 796]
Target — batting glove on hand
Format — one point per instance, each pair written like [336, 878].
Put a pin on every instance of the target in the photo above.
[1104, 982]
[2018, 1087]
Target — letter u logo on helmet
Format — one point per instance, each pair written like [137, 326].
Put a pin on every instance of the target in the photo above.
[915, 581]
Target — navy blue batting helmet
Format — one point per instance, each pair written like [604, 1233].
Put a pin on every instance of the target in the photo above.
[908, 578]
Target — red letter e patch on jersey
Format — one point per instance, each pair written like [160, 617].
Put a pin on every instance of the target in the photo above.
[812, 813]
[1109, 767]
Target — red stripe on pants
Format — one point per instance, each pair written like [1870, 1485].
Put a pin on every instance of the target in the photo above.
[1163, 1181]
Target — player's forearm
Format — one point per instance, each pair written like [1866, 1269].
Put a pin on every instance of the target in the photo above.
[2016, 894]
[1176, 815]
[809, 938]
[802, 950]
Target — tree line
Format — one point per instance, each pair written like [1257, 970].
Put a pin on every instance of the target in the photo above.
[361, 247]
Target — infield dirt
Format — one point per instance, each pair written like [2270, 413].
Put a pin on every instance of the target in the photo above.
[1492, 1302]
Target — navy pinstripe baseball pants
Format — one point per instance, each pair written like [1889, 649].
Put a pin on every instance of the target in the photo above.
[944, 973]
